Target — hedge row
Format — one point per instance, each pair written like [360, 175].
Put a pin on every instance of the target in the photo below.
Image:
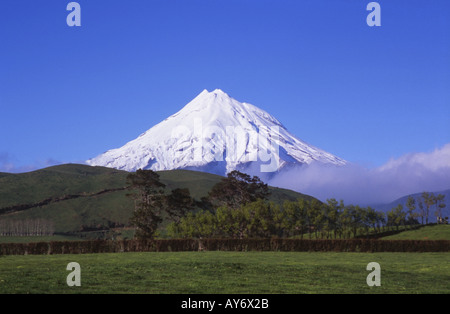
[350, 245]
[172, 245]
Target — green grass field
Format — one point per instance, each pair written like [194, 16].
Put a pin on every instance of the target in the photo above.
[432, 232]
[227, 273]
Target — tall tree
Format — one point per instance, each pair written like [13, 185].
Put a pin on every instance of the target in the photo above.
[358, 216]
[262, 218]
[333, 210]
[346, 220]
[411, 205]
[238, 189]
[421, 209]
[396, 216]
[294, 217]
[429, 200]
[381, 221]
[314, 217]
[149, 202]
[179, 203]
[440, 205]
[370, 219]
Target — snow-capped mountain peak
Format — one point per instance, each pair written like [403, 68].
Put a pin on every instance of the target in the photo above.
[215, 133]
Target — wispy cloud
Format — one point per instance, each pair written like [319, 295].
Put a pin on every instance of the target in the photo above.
[9, 164]
[6, 164]
[411, 173]
[434, 161]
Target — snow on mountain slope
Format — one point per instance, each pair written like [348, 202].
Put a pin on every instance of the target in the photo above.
[215, 133]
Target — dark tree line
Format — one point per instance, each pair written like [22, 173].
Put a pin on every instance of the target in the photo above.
[152, 204]
[238, 207]
[262, 219]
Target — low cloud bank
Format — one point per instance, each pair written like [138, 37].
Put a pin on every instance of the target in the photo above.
[8, 164]
[411, 173]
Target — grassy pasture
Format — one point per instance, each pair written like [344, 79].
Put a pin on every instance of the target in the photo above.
[431, 232]
[227, 272]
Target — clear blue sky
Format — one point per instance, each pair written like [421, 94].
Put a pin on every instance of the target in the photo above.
[365, 94]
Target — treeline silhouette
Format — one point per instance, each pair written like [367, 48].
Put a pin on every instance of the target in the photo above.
[238, 207]
[26, 227]
[292, 219]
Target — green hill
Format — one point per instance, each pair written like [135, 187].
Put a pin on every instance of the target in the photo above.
[54, 182]
[80, 198]
[429, 232]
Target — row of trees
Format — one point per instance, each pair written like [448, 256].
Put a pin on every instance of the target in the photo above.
[262, 219]
[152, 203]
[238, 207]
[299, 218]
[27, 227]
[421, 206]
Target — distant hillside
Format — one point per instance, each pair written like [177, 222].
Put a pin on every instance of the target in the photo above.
[4, 174]
[80, 197]
[417, 196]
[57, 181]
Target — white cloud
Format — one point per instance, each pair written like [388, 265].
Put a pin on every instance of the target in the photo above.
[8, 164]
[434, 161]
[411, 173]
